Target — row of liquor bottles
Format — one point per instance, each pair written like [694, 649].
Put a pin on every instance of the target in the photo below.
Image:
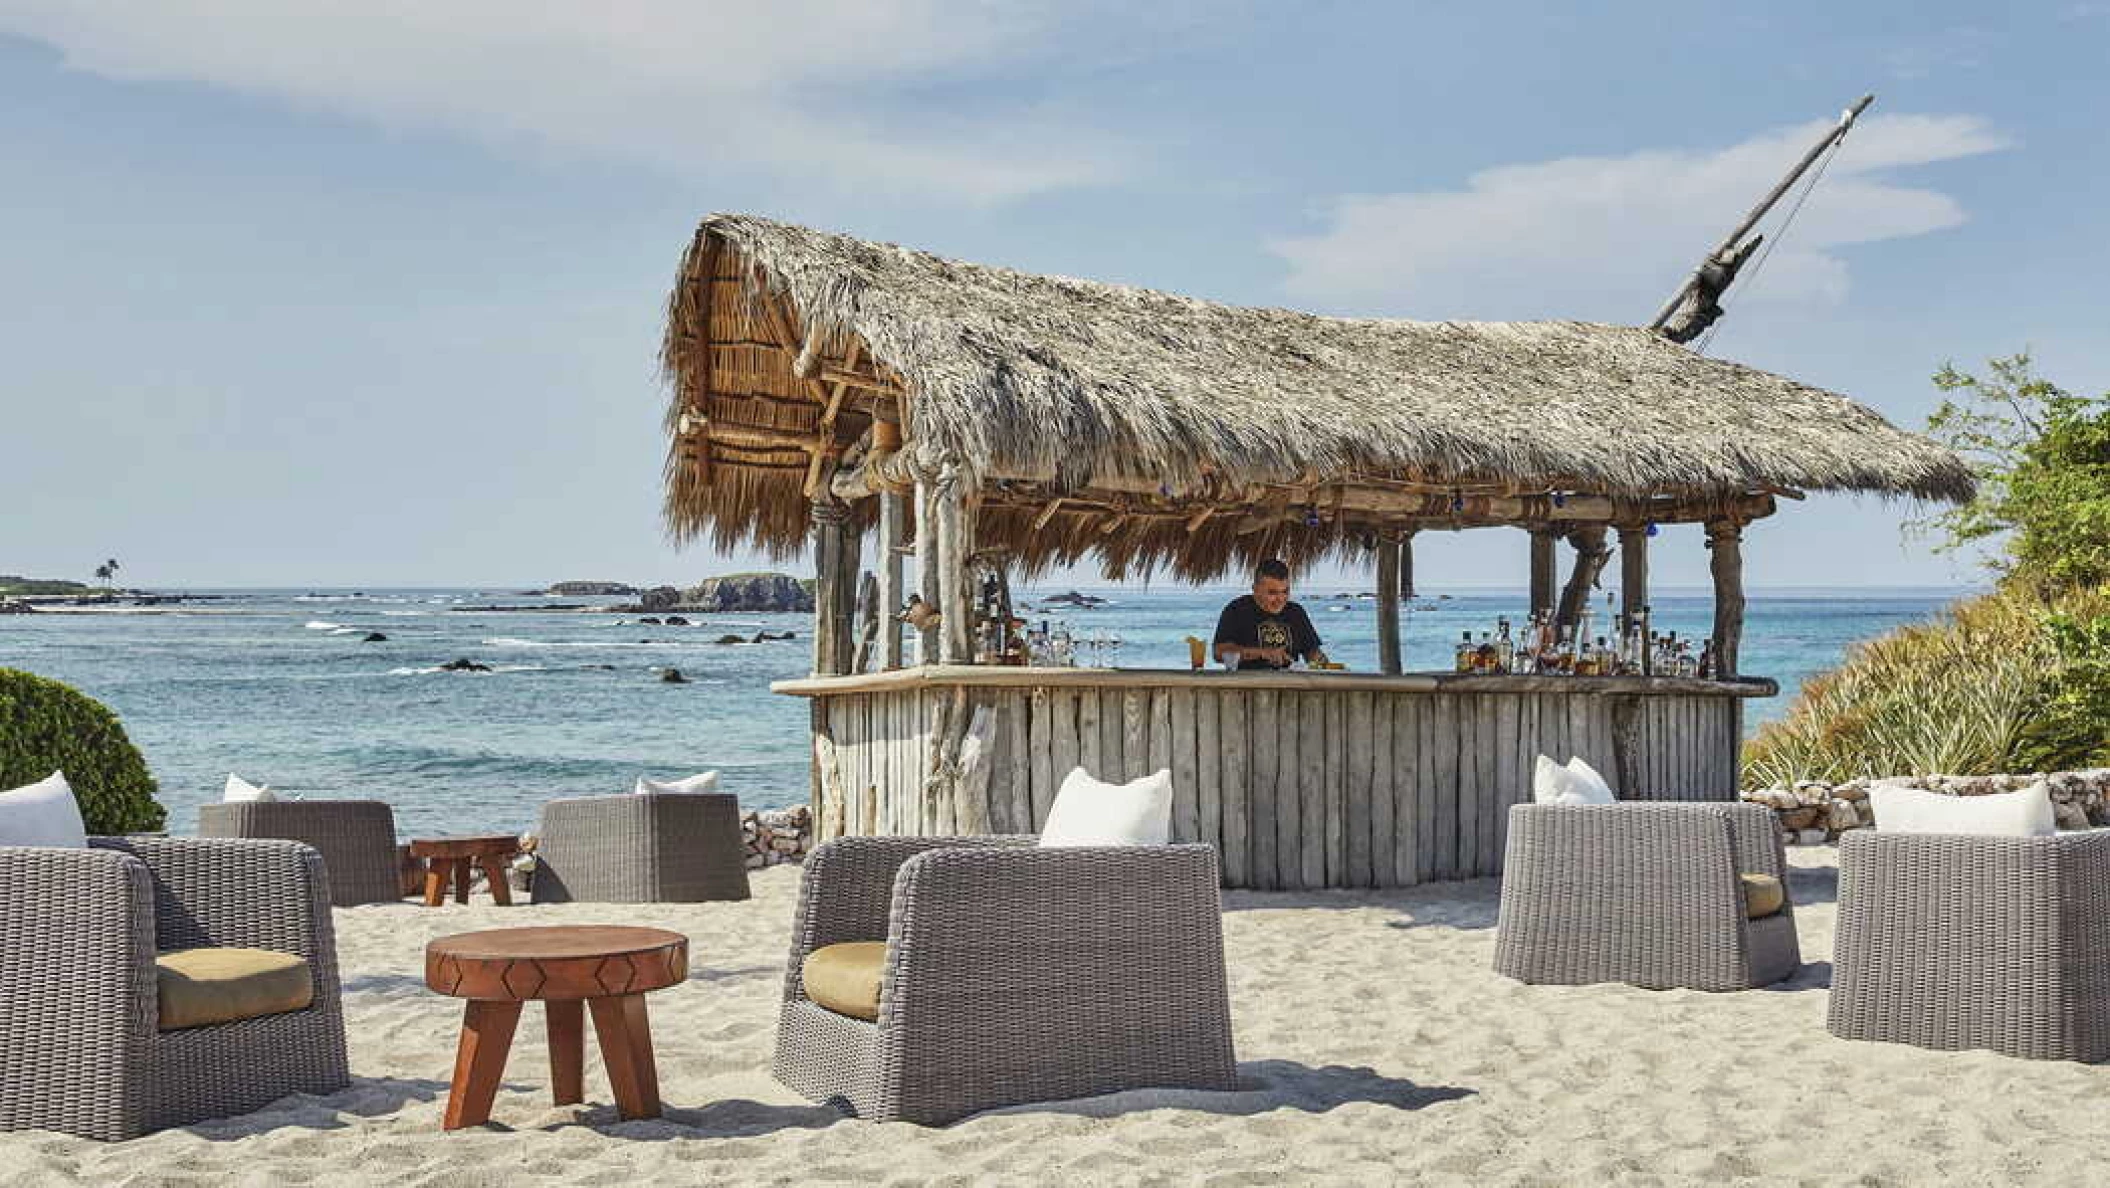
[1547, 647]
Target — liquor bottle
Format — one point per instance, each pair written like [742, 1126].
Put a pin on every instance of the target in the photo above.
[1505, 648]
[1706, 669]
[1564, 652]
[1648, 643]
[1484, 655]
[1601, 659]
[1466, 653]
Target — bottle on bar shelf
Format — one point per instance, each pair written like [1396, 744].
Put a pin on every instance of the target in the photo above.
[1505, 647]
[1467, 654]
[1707, 660]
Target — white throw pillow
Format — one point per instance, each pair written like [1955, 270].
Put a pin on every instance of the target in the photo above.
[241, 791]
[42, 814]
[1594, 785]
[704, 782]
[1902, 809]
[1088, 812]
[1575, 782]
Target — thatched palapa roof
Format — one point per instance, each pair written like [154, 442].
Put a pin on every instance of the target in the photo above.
[1148, 428]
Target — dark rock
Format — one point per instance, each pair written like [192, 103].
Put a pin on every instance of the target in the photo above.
[750, 593]
[672, 676]
[676, 621]
[659, 598]
[652, 619]
[1074, 598]
[732, 639]
[589, 589]
[374, 637]
[464, 664]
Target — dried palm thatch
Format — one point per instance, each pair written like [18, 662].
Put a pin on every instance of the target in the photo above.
[1196, 435]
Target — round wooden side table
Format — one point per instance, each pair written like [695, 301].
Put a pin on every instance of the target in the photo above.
[602, 968]
[445, 856]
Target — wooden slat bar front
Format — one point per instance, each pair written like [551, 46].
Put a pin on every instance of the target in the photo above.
[1301, 779]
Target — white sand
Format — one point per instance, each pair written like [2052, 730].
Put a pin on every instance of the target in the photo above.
[1376, 1045]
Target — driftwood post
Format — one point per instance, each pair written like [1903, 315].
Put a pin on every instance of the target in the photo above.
[1406, 564]
[1544, 569]
[1388, 605]
[867, 620]
[1633, 572]
[927, 582]
[1725, 539]
[1590, 552]
[893, 514]
[835, 548]
[950, 516]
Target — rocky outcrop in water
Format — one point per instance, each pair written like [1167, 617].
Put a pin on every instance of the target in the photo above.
[590, 589]
[750, 593]
[659, 598]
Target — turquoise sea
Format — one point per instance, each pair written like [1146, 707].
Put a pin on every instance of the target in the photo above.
[278, 685]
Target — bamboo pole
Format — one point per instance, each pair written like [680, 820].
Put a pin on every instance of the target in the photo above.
[1545, 568]
[1590, 554]
[1388, 574]
[893, 526]
[1725, 540]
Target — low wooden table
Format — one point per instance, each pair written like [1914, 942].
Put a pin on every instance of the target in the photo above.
[604, 968]
[453, 855]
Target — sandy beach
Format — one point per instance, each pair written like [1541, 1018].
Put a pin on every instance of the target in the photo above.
[1374, 1043]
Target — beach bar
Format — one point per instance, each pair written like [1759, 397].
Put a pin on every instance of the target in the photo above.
[877, 405]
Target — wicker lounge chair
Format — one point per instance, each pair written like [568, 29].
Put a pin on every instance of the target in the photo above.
[1953, 942]
[81, 1049]
[1642, 893]
[356, 838]
[1011, 974]
[655, 847]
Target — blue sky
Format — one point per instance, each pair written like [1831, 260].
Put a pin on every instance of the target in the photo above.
[332, 293]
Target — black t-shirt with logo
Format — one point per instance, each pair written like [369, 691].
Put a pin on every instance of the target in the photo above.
[1243, 622]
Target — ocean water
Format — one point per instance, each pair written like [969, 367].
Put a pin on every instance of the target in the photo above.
[277, 685]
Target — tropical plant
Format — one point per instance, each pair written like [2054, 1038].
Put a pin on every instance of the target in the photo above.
[2018, 680]
[103, 573]
[46, 726]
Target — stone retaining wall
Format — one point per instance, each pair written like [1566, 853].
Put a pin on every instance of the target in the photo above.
[1813, 813]
[777, 835]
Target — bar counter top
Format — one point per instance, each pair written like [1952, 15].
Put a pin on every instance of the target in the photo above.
[1007, 676]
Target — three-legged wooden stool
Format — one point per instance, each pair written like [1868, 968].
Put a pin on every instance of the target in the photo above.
[604, 969]
[447, 857]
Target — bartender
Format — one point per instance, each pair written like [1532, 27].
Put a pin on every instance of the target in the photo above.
[1265, 629]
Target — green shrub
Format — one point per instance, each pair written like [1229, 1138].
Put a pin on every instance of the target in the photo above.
[46, 726]
[2002, 683]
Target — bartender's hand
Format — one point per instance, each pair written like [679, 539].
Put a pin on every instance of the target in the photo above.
[1275, 657]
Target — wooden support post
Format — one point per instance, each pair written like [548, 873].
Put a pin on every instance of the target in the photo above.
[867, 621]
[951, 517]
[1725, 539]
[835, 550]
[1388, 574]
[1590, 554]
[1545, 568]
[1406, 565]
[927, 583]
[893, 531]
[1633, 573]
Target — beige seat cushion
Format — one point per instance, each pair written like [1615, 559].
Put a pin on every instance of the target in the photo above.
[201, 986]
[845, 978]
[1763, 895]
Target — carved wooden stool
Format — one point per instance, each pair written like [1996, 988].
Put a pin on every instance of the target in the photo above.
[445, 856]
[605, 969]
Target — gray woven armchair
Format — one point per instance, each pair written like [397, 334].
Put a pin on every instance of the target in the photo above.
[1956, 942]
[356, 838]
[1642, 893]
[1011, 974]
[656, 847]
[81, 1049]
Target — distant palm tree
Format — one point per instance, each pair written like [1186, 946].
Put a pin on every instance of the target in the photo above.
[113, 566]
[103, 573]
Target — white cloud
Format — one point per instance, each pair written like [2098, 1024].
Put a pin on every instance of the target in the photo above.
[1608, 237]
[831, 91]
